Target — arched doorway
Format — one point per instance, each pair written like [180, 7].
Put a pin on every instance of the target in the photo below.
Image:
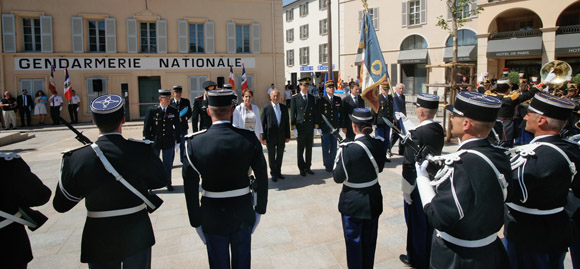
[466, 53]
[412, 58]
[568, 36]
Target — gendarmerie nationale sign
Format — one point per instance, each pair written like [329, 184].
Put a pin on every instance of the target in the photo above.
[130, 63]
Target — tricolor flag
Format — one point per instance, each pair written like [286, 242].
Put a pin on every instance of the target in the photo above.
[67, 88]
[374, 70]
[52, 85]
[244, 79]
[339, 82]
[232, 80]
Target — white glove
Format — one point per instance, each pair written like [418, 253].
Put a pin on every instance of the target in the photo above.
[400, 116]
[295, 132]
[422, 169]
[200, 234]
[77, 109]
[407, 198]
[258, 217]
[60, 109]
[425, 190]
[551, 76]
[176, 147]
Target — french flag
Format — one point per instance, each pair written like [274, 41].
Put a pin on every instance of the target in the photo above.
[232, 80]
[244, 79]
[67, 87]
[52, 85]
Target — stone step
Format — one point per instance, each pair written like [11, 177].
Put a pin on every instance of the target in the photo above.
[7, 138]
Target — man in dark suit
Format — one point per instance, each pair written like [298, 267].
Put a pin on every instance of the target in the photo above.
[349, 103]
[199, 113]
[221, 157]
[331, 107]
[385, 111]
[303, 112]
[163, 128]
[118, 231]
[183, 106]
[276, 133]
[25, 103]
[399, 107]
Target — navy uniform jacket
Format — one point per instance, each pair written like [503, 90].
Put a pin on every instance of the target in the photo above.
[363, 203]
[428, 133]
[183, 103]
[331, 109]
[476, 213]
[271, 131]
[509, 102]
[386, 107]
[20, 189]
[221, 156]
[199, 114]
[303, 113]
[543, 185]
[400, 100]
[347, 107]
[84, 176]
[163, 128]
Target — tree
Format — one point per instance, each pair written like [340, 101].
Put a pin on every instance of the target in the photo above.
[459, 10]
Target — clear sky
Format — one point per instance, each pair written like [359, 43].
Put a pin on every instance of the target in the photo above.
[286, 2]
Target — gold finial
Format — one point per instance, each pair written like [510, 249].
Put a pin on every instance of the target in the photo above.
[365, 5]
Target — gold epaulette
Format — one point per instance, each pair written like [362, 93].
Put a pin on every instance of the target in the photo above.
[513, 96]
[488, 92]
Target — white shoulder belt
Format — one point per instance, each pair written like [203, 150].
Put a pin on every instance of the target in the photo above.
[373, 161]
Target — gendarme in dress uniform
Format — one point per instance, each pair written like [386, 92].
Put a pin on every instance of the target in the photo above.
[200, 120]
[330, 106]
[466, 208]
[303, 118]
[230, 206]
[114, 176]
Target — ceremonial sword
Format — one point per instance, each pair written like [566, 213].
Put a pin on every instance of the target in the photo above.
[335, 132]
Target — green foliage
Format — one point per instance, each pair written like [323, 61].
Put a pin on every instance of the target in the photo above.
[514, 77]
[460, 10]
[576, 79]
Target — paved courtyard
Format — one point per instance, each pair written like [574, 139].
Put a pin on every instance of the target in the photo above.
[301, 228]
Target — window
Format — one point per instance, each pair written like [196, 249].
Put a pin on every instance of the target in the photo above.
[322, 4]
[323, 26]
[148, 37]
[304, 10]
[304, 31]
[91, 95]
[242, 38]
[196, 44]
[374, 14]
[305, 56]
[97, 36]
[290, 35]
[290, 15]
[464, 38]
[31, 33]
[33, 85]
[290, 57]
[414, 12]
[323, 53]
[414, 42]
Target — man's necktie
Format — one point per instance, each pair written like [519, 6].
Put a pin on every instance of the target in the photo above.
[278, 114]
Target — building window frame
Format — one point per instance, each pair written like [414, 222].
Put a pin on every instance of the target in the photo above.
[322, 4]
[97, 36]
[305, 56]
[304, 10]
[243, 37]
[463, 39]
[323, 27]
[323, 53]
[91, 95]
[290, 15]
[304, 32]
[414, 42]
[196, 38]
[290, 57]
[148, 36]
[414, 15]
[374, 13]
[290, 35]
[35, 44]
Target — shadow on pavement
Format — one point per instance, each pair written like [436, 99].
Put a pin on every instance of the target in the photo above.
[17, 150]
[298, 181]
[176, 189]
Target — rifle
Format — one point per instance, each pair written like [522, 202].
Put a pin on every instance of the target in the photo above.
[80, 136]
[335, 132]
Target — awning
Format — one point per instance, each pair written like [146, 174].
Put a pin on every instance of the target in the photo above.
[515, 47]
[568, 44]
[464, 54]
[413, 56]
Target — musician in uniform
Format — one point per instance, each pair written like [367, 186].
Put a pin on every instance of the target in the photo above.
[117, 230]
[419, 231]
[162, 126]
[357, 166]
[228, 214]
[485, 87]
[465, 202]
[303, 119]
[199, 113]
[331, 107]
[537, 229]
[183, 106]
[20, 189]
[385, 111]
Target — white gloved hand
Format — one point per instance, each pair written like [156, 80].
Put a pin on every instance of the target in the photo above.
[422, 169]
[176, 147]
[407, 198]
[258, 217]
[60, 109]
[77, 109]
[200, 234]
[400, 116]
[319, 131]
[551, 76]
[295, 132]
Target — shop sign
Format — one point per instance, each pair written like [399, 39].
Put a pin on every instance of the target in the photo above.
[324, 67]
[131, 63]
[567, 51]
[306, 68]
[517, 53]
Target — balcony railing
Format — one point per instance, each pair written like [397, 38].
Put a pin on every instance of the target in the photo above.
[515, 34]
[568, 29]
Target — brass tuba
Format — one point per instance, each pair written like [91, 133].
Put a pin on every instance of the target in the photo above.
[563, 73]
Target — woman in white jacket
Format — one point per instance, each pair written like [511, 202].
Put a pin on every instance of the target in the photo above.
[247, 115]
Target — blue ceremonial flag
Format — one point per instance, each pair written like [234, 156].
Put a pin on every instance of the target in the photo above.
[325, 80]
[373, 67]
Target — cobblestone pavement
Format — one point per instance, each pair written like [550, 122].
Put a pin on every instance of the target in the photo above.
[301, 228]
